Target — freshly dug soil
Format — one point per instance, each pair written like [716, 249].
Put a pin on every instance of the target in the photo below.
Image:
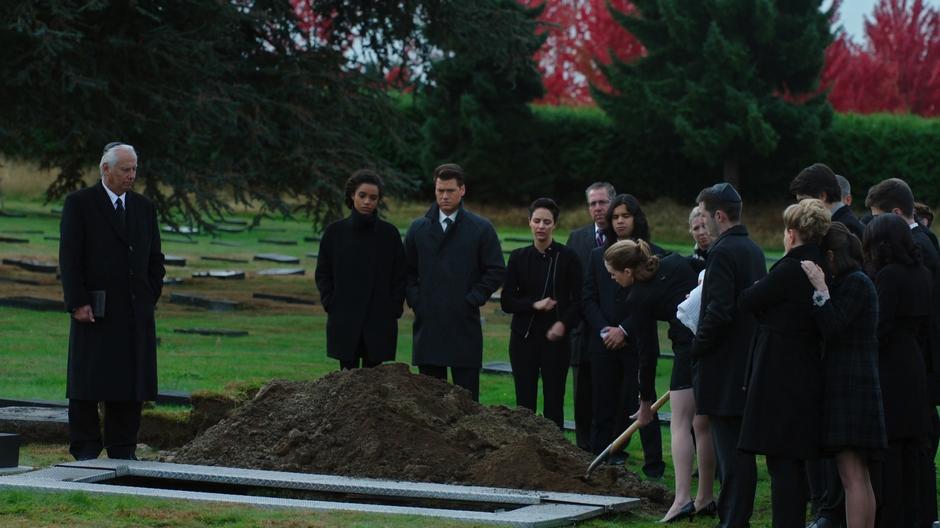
[388, 423]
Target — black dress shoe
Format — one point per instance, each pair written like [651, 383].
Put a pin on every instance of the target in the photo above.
[687, 512]
[710, 510]
[823, 522]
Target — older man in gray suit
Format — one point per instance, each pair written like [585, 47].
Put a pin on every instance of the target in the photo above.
[582, 241]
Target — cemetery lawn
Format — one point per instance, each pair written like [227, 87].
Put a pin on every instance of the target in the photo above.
[285, 341]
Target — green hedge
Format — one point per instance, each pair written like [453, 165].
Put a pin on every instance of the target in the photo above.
[581, 145]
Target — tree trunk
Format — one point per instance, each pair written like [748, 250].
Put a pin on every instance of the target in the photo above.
[731, 173]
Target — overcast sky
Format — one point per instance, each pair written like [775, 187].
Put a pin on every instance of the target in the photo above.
[853, 12]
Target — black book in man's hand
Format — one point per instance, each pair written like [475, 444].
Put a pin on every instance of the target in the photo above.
[97, 303]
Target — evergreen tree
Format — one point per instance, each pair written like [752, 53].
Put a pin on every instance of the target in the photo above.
[725, 83]
[476, 97]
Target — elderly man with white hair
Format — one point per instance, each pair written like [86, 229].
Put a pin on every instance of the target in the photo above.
[112, 275]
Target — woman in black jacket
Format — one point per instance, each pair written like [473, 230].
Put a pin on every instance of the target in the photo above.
[543, 294]
[657, 286]
[361, 277]
[853, 427]
[784, 382]
[895, 264]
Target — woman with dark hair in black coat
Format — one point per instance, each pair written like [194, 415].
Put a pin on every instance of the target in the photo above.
[543, 293]
[657, 286]
[784, 376]
[613, 352]
[361, 277]
[904, 297]
[853, 426]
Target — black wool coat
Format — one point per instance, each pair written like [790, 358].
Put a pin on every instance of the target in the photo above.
[782, 414]
[114, 358]
[581, 241]
[656, 300]
[903, 321]
[722, 343]
[361, 277]
[853, 416]
[845, 215]
[932, 347]
[526, 279]
[450, 276]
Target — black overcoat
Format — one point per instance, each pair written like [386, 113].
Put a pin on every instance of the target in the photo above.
[782, 413]
[582, 242]
[656, 300]
[845, 215]
[903, 320]
[723, 340]
[853, 416]
[931, 258]
[361, 277]
[114, 358]
[450, 276]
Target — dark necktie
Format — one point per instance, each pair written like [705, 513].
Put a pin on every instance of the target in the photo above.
[447, 224]
[599, 238]
[121, 213]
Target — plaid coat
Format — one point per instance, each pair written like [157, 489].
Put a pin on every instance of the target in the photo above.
[853, 416]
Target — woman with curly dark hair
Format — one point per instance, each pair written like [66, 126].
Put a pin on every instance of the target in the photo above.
[895, 264]
[361, 277]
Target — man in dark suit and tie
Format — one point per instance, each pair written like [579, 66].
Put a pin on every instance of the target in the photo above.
[112, 275]
[582, 241]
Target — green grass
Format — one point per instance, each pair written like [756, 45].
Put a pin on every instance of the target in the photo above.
[283, 343]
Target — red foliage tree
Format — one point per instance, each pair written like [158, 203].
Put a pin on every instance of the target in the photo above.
[580, 32]
[896, 70]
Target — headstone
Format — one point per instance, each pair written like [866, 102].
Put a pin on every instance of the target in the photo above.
[211, 332]
[225, 259]
[230, 229]
[312, 255]
[282, 271]
[280, 259]
[181, 230]
[277, 241]
[214, 305]
[33, 303]
[224, 243]
[12, 214]
[16, 402]
[314, 238]
[283, 298]
[172, 281]
[56, 210]
[180, 241]
[234, 221]
[24, 231]
[220, 274]
[270, 229]
[173, 398]
[51, 238]
[31, 265]
[173, 260]
[12, 240]
[497, 367]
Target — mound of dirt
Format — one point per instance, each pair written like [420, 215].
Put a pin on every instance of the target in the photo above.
[388, 423]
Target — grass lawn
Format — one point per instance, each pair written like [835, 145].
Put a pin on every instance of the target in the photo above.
[285, 341]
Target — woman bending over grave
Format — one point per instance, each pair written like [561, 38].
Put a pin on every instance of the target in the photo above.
[361, 277]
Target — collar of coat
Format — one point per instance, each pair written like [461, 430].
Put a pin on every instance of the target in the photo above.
[433, 213]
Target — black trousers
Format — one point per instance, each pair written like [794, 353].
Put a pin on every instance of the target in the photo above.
[825, 489]
[928, 506]
[616, 397]
[466, 377]
[362, 353]
[530, 358]
[738, 473]
[121, 425]
[788, 491]
[581, 379]
[897, 484]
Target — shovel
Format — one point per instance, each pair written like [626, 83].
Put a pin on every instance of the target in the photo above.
[624, 436]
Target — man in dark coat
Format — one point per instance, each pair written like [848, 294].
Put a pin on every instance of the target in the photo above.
[455, 263]
[112, 275]
[721, 346]
[582, 241]
[361, 277]
[895, 196]
[818, 181]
